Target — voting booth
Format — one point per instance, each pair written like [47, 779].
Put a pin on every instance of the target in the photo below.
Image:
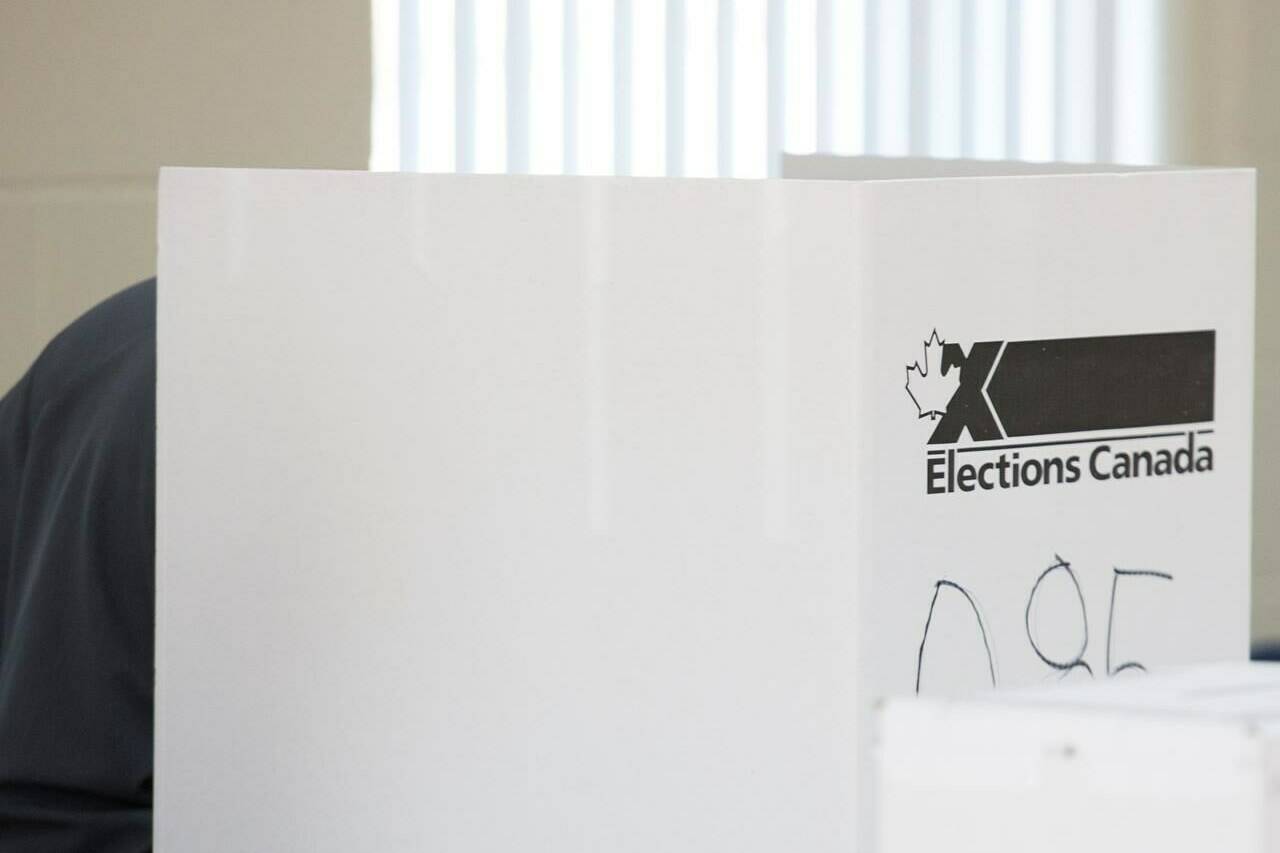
[544, 514]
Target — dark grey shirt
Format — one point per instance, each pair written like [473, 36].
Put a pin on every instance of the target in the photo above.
[77, 533]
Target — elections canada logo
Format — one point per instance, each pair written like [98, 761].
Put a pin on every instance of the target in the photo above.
[1023, 414]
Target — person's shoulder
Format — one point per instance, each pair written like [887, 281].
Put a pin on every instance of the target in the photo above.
[118, 320]
[121, 326]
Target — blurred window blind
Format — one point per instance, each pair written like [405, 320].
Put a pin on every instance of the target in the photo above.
[721, 87]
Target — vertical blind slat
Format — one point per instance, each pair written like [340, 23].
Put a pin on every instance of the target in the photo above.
[435, 113]
[849, 45]
[775, 63]
[918, 64]
[945, 81]
[1062, 66]
[825, 38]
[596, 87]
[699, 136]
[724, 88]
[489, 101]
[751, 89]
[545, 93]
[1135, 85]
[569, 89]
[648, 113]
[675, 86]
[1012, 79]
[1104, 121]
[871, 76]
[410, 82]
[465, 84]
[1036, 111]
[518, 66]
[622, 87]
[799, 76]
[968, 79]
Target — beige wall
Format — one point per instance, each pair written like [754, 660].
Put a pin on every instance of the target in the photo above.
[1223, 85]
[96, 95]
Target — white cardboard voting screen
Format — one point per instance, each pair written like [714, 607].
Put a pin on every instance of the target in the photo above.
[546, 514]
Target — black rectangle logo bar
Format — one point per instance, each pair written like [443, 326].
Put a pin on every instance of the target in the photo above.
[1116, 382]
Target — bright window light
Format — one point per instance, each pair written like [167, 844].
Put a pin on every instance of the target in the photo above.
[1137, 93]
[491, 85]
[700, 119]
[1076, 99]
[1035, 89]
[750, 132]
[800, 70]
[723, 87]
[648, 88]
[891, 121]
[945, 78]
[989, 79]
[595, 87]
[546, 87]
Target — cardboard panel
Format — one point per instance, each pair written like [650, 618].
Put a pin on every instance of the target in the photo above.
[503, 513]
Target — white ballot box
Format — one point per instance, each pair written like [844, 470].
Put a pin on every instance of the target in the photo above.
[1185, 760]
[549, 514]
